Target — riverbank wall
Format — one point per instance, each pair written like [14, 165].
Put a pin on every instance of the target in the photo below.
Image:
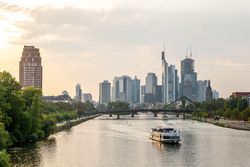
[67, 125]
[233, 124]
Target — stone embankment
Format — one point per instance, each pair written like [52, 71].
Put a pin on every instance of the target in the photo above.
[68, 124]
[233, 124]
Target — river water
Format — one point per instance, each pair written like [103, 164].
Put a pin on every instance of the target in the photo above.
[124, 143]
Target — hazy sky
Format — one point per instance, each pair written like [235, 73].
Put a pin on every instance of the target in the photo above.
[94, 40]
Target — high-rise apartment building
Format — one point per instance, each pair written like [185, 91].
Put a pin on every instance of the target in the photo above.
[30, 68]
[135, 86]
[104, 92]
[78, 96]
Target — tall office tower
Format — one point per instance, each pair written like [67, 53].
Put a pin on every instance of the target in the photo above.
[215, 94]
[209, 93]
[86, 97]
[125, 89]
[158, 95]
[104, 92]
[30, 68]
[115, 89]
[177, 89]
[78, 96]
[188, 78]
[151, 83]
[171, 83]
[164, 78]
[143, 92]
[201, 90]
[135, 84]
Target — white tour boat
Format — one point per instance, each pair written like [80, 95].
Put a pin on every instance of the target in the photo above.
[165, 135]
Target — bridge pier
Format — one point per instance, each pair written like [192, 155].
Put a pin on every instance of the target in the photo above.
[177, 114]
[110, 115]
[132, 115]
[118, 116]
[155, 114]
[184, 116]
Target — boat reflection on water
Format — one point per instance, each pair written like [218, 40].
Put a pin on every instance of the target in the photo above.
[162, 147]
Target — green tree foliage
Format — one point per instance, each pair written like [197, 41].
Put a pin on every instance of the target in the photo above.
[4, 159]
[118, 105]
[4, 137]
[242, 104]
[232, 102]
[29, 94]
[232, 108]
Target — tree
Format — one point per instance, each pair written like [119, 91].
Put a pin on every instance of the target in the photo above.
[4, 137]
[35, 113]
[232, 102]
[4, 159]
[28, 95]
[242, 104]
[118, 105]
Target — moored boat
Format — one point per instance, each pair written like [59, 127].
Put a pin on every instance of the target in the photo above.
[165, 135]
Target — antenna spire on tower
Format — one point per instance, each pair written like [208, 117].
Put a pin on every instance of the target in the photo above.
[187, 53]
[191, 52]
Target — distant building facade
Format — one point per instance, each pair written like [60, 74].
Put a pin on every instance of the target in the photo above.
[165, 94]
[135, 88]
[240, 94]
[30, 68]
[64, 97]
[209, 92]
[216, 94]
[78, 96]
[87, 97]
[201, 90]
[188, 78]
[104, 92]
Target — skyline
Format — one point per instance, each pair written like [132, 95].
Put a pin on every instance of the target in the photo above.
[95, 41]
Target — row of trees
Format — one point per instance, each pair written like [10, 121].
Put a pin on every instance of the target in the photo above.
[24, 117]
[236, 108]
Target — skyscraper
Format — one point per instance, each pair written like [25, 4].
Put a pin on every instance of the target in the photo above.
[30, 68]
[201, 90]
[164, 78]
[115, 89]
[86, 97]
[188, 78]
[209, 92]
[125, 89]
[135, 85]
[151, 83]
[78, 96]
[104, 92]
[171, 83]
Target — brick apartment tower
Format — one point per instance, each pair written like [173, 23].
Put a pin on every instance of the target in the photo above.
[30, 69]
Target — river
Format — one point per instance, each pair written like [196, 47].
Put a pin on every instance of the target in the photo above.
[124, 143]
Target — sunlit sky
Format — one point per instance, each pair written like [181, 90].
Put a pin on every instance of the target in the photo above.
[90, 41]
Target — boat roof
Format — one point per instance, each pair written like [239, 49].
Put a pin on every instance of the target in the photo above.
[162, 128]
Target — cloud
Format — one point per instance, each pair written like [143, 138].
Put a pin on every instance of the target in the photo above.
[229, 63]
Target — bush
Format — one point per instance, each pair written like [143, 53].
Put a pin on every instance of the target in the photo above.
[32, 138]
[4, 159]
[40, 134]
